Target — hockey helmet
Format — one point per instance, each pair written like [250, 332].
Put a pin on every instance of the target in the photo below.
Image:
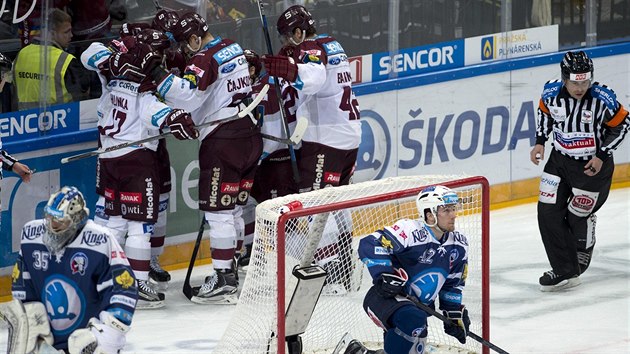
[253, 59]
[65, 214]
[296, 16]
[189, 24]
[165, 20]
[157, 40]
[433, 197]
[576, 66]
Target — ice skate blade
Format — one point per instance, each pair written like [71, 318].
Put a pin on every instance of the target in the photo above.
[161, 286]
[226, 299]
[149, 305]
[565, 284]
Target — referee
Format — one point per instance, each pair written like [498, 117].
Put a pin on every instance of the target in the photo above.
[586, 124]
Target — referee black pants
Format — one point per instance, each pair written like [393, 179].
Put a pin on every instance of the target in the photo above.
[566, 219]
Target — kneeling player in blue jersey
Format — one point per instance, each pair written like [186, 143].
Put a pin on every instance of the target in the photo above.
[436, 258]
[73, 273]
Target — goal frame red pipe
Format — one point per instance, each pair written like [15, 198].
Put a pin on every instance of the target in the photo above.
[485, 246]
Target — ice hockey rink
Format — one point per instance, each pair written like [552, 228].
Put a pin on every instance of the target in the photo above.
[591, 318]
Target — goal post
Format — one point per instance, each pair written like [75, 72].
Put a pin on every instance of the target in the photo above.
[325, 230]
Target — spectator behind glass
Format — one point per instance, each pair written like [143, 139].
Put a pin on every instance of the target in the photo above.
[93, 19]
[31, 26]
[67, 79]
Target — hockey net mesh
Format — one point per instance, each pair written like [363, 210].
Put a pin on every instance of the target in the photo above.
[253, 328]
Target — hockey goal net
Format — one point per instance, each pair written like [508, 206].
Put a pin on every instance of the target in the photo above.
[327, 229]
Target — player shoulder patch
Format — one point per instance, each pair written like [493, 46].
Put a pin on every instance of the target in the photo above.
[123, 278]
[605, 94]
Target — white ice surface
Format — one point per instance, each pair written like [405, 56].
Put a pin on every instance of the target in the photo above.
[591, 318]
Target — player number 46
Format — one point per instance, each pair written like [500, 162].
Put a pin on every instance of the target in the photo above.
[349, 104]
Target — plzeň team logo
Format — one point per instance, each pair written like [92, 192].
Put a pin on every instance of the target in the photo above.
[375, 149]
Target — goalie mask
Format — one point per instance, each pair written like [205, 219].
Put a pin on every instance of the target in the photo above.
[431, 198]
[65, 215]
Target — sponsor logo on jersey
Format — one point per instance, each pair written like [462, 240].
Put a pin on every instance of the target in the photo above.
[122, 299]
[109, 193]
[577, 142]
[228, 68]
[149, 194]
[123, 278]
[65, 304]
[583, 202]
[242, 196]
[587, 116]
[226, 200]
[15, 273]
[333, 47]
[93, 239]
[163, 205]
[453, 257]
[130, 197]
[214, 186]
[385, 242]
[79, 263]
[228, 53]
[30, 232]
[332, 177]
[609, 97]
[381, 250]
[247, 184]
[427, 256]
[319, 171]
[229, 188]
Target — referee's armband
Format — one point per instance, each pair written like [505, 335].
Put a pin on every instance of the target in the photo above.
[618, 118]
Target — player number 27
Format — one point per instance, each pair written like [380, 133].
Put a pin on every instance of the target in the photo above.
[349, 104]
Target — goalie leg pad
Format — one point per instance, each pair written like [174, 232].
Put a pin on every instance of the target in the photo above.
[28, 325]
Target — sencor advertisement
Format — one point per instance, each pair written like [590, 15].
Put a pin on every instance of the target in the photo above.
[459, 121]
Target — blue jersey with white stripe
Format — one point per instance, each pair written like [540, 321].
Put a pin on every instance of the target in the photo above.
[435, 267]
[91, 274]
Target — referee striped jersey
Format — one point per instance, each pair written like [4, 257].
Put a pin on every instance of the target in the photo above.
[594, 125]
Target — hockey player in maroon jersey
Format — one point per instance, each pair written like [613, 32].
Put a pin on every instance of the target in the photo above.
[317, 67]
[128, 179]
[588, 124]
[213, 85]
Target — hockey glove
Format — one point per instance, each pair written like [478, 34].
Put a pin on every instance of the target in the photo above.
[125, 66]
[284, 67]
[460, 322]
[389, 285]
[105, 334]
[122, 45]
[132, 29]
[181, 125]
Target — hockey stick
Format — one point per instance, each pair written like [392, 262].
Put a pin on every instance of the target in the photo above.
[246, 111]
[447, 320]
[285, 124]
[295, 138]
[187, 289]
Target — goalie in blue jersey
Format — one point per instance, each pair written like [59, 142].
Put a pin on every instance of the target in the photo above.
[73, 273]
[423, 258]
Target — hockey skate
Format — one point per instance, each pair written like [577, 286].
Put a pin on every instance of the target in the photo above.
[356, 347]
[158, 275]
[550, 281]
[148, 296]
[219, 288]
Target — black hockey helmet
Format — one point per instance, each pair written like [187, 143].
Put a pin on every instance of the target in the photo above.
[296, 16]
[189, 24]
[576, 66]
[5, 63]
